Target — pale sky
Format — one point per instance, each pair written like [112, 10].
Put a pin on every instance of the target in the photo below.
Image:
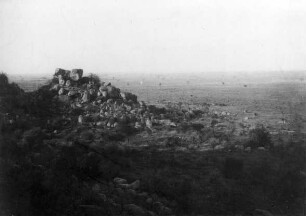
[152, 36]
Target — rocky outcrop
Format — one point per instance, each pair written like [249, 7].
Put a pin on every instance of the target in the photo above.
[104, 105]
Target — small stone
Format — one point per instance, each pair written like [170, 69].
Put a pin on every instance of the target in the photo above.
[61, 81]
[132, 192]
[135, 185]
[61, 91]
[85, 97]
[96, 187]
[102, 196]
[135, 210]
[118, 180]
[149, 200]
[68, 83]
[143, 194]
[71, 93]
[99, 123]
[80, 119]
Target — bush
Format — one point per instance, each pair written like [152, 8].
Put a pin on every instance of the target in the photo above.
[95, 78]
[3, 79]
[7, 88]
[259, 137]
[197, 126]
[174, 142]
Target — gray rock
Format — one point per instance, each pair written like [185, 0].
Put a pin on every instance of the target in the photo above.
[118, 180]
[100, 123]
[149, 123]
[72, 93]
[113, 92]
[135, 185]
[261, 212]
[119, 191]
[102, 196]
[63, 98]
[158, 206]
[150, 213]
[56, 87]
[166, 211]
[61, 72]
[85, 97]
[68, 83]
[61, 91]
[76, 74]
[131, 192]
[128, 96]
[80, 119]
[96, 187]
[135, 210]
[61, 81]
[149, 200]
[143, 194]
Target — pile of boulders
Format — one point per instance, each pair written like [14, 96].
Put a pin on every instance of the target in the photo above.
[103, 104]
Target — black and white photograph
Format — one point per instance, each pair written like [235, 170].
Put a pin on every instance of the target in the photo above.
[153, 108]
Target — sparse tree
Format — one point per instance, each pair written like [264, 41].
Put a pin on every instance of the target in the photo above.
[3, 79]
[95, 79]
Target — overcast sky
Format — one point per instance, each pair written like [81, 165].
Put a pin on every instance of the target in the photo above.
[152, 36]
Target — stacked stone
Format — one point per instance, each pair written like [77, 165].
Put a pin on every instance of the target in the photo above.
[108, 104]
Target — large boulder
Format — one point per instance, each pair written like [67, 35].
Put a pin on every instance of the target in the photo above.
[85, 97]
[129, 96]
[72, 93]
[149, 123]
[61, 91]
[134, 185]
[104, 94]
[61, 80]
[102, 88]
[118, 180]
[68, 83]
[80, 119]
[113, 92]
[76, 74]
[56, 87]
[61, 72]
[63, 98]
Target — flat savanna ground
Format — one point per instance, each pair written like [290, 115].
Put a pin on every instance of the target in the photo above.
[280, 106]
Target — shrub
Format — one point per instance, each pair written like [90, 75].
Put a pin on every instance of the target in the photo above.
[174, 142]
[214, 142]
[95, 78]
[197, 126]
[3, 79]
[259, 137]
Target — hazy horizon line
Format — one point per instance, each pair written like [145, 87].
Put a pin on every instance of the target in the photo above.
[210, 72]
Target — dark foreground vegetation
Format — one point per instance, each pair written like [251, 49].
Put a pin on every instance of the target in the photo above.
[71, 173]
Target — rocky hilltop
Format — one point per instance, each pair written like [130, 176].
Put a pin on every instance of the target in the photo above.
[105, 105]
[80, 146]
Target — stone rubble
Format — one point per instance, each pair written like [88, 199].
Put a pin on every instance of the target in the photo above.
[110, 106]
